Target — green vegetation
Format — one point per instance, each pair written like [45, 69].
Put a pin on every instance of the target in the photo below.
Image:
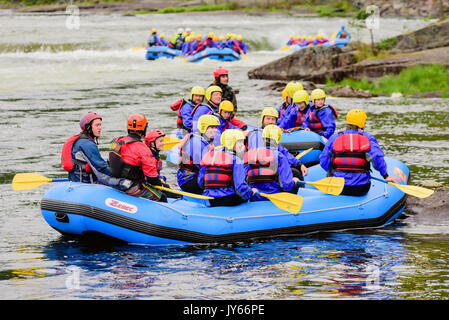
[418, 79]
[205, 7]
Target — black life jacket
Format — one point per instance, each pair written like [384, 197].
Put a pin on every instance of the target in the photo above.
[119, 168]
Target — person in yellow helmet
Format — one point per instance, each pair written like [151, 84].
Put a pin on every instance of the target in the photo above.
[294, 118]
[268, 169]
[184, 120]
[225, 111]
[320, 116]
[223, 173]
[153, 40]
[287, 95]
[348, 154]
[269, 116]
[213, 96]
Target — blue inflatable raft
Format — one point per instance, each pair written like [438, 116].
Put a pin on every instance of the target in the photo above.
[157, 52]
[340, 43]
[224, 54]
[87, 210]
[295, 142]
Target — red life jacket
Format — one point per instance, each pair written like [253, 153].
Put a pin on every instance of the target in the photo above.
[67, 162]
[350, 153]
[177, 107]
[119, 168]
[315, 122]
[218, 165]
[283, 108]
[300, 117]
[262, 165]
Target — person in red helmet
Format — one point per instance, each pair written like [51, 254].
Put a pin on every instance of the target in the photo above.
[221, 79]
[80, 155]
[131, 158]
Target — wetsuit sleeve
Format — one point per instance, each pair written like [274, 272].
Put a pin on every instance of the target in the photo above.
[200, 179]
[288, 119]
[148, 161]
[186, 115]
[292, 161]
[239, 177]
[285, 173]
[327, 119]
[325, 156]
[377, 155]
[90, 150]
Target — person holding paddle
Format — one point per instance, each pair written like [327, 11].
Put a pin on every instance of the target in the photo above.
[130, 158]
[223, 173]
[191, 150]
[347, 154]
[268, 169]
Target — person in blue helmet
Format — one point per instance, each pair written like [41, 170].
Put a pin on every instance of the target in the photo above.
[320, 117]
[294, 118]
[223, 173]
[192, 148]
[347, 154]
[343, 33]
[268, 169]
[213, 98]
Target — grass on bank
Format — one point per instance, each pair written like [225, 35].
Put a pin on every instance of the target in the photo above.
[418, 79]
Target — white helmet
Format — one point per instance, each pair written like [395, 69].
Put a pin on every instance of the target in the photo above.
[180, 30]
[188, 29]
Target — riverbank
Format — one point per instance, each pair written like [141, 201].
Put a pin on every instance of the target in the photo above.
[332, 8]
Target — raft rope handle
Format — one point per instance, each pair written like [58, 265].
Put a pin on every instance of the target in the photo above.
[230, 219]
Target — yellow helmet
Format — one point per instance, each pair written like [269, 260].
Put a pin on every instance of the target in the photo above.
[188, 38]
[292, 87]
[272, 132]
[226, 106]
[198, 91]
[270, 111]
[206, 121]
[211, 90]
[284, 94]
[230, 136]
[162, 35]
[317, 94]
[154, 30]
[210, 34]
[301, 96]
[239, 37]
[356, 117]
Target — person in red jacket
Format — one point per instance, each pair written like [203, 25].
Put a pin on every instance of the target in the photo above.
[131, 158]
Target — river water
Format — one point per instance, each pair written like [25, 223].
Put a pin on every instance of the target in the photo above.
[50, 75]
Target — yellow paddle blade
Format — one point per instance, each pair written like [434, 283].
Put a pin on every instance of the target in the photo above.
[303, 153]
[26, 181]
[286, 47]
[170, 142]
[416, 191]
[330, 185]
[285, 201]
[138, 48]
[192, 195]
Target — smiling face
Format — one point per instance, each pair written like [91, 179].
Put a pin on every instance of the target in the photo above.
[216, 97]
[269, 120]
[319, 102]
[96, 128]
[224, 79]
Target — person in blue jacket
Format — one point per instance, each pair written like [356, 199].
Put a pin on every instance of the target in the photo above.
[268, 169]
[223, 173]
[81, 151]
[320, 116]
[213, 98]
[343, 33]
[162, 41]
[225, 110]
[153, 40]
[348, 153]
[294, 118]
[269, 116]
[192, 148]
[184, 121]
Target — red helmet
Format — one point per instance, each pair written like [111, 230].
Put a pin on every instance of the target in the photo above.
[219, 72]
[87, 119]
[153, 135]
